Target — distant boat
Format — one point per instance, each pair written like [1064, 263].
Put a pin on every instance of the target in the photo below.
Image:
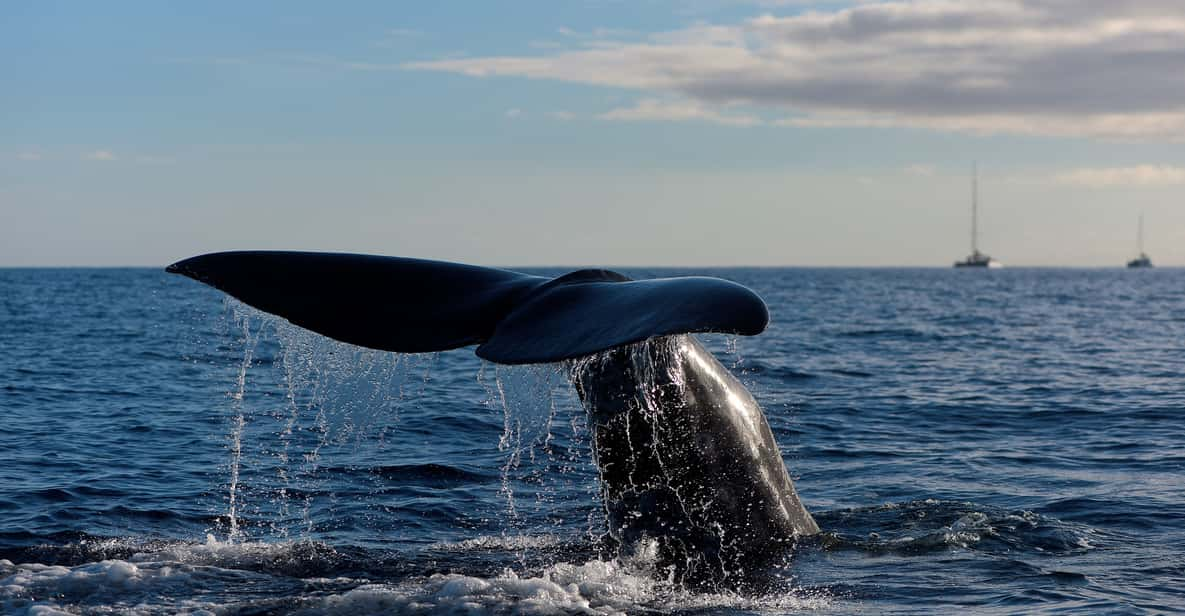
[1143, 260]
[976, 258]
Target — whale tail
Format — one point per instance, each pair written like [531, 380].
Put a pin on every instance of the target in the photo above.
[415, 305]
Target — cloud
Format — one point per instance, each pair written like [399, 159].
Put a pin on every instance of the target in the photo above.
[920, 169]
[514, 113]
[101, 155]
[655, 110]
[1140, 175]
[29, 156]
[1095, 68]
[1115, 126]
[561, 115]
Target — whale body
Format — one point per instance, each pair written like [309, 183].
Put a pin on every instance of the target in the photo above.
[686, 458]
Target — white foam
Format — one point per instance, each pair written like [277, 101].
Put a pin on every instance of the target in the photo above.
[44, 610]
[596, 587]
[142, 584]
[151, 582]
[25, 587]
[232, 554]
[506, 593]
[499, 542]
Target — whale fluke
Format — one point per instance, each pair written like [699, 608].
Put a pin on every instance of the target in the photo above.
[415, 305]
[385, 303]
[685, 455]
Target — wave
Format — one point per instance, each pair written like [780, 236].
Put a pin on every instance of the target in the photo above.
[595, 587]
[432, 474]
[925, 526]
[779, 372]
[892, 333]
[252, 578]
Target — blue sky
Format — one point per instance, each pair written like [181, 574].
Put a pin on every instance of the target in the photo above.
[712, 132]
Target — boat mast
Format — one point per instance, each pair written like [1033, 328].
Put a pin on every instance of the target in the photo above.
[1140, 235]
[975, 208]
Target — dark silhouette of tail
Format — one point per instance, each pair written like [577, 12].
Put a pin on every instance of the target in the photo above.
[415, 305]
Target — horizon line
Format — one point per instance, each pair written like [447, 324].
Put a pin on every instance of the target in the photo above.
[634, 266]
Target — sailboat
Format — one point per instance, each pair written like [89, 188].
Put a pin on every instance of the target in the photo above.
[976, 258]
[1143, 260]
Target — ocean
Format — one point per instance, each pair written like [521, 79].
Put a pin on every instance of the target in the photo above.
[989, 442]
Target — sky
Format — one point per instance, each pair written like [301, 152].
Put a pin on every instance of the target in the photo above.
[602, 132]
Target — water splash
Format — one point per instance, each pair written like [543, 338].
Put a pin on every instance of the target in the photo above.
[629, 584]
[528, 398]
[329, 408]
[296, 395]
[249, 341]
[312, 409]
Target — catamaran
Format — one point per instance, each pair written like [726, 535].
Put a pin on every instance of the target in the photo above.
[976, 258]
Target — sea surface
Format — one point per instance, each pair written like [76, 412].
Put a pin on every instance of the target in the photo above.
[988, 442]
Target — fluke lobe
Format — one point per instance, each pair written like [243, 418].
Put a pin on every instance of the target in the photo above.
[687, 460]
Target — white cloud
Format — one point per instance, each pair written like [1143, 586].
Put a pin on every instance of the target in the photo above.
[101, 155]
[1096, 68]
[814, 3]
[514, 113]
[920, 169]
[1140, 175]
[29, 156]
[561, 115]
[655, 110]
[1116, 126]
